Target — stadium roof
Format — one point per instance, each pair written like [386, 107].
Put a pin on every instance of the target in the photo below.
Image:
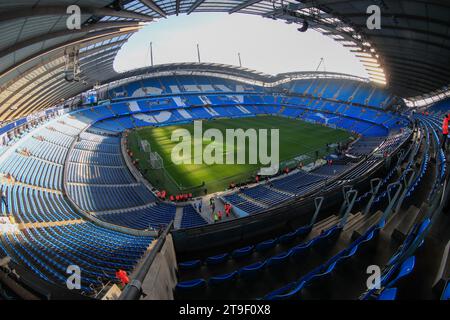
[410, 53]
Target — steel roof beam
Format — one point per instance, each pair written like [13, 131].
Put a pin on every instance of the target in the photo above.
[243, 5]
[25, 96]
[61, 10]
[57, 82]
[152, 5]
[91, 37]
[60, 82]
[194, 6]
[177, 7]
[54, 99]
[8, 112]
[55, 88]
[101, 27]
[51, 57]
[435, 69]
[400, 38]
[90, 52]
[400, 16]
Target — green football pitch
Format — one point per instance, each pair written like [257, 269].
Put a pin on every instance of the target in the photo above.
[297, 140]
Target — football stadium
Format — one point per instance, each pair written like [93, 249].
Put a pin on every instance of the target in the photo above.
[211, 181]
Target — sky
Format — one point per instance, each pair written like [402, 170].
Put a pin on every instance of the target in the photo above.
[265, 45]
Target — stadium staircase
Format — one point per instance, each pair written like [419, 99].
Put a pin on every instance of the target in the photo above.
[178, 217]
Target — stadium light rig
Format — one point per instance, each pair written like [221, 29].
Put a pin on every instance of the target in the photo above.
[304, 27]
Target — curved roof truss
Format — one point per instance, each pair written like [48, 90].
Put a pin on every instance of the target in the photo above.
[410, 54]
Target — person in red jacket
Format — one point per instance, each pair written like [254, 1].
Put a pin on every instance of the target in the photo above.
[445, 132]
[122, 276]
[227, 209]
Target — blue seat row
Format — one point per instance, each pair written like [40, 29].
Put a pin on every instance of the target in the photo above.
[325, 270]
[401, 264]
[248, 250]
[446, 292]
[109, 197]
[55, 137]
[34, 171]
[30, 205]
[96, 158]
[298, 183]
[266, 195]
[94, 174]
[99, 138]
[255, 268]
[97, 251]
[46, 150]
[191, 218]
[153, 216]
[103, 147]
[243, 204]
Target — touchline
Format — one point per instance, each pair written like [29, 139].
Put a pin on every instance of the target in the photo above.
[235, 139]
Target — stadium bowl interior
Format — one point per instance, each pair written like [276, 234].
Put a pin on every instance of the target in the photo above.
[88, 183]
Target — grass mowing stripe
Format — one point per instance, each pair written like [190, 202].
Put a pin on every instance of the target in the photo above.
[296, 138]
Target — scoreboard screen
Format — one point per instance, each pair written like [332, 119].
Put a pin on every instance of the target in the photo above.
[89, 97]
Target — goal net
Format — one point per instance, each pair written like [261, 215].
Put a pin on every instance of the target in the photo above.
[156, 162]
[145, 146]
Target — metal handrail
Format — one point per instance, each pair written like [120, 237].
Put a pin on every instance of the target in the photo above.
[133, 290]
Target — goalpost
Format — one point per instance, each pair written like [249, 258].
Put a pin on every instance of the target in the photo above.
[145, 146]
[154, 167]
[156, 161]
[160, 173]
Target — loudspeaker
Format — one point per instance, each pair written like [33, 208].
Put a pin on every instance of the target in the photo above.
[117, 5]
[304, 26]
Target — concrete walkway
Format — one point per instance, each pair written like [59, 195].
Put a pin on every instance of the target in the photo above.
[207, 212]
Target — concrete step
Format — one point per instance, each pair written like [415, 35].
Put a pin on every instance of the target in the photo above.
[326, 223]
[365, 224]
[409, 218]
[353, 221]
[178, 217]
